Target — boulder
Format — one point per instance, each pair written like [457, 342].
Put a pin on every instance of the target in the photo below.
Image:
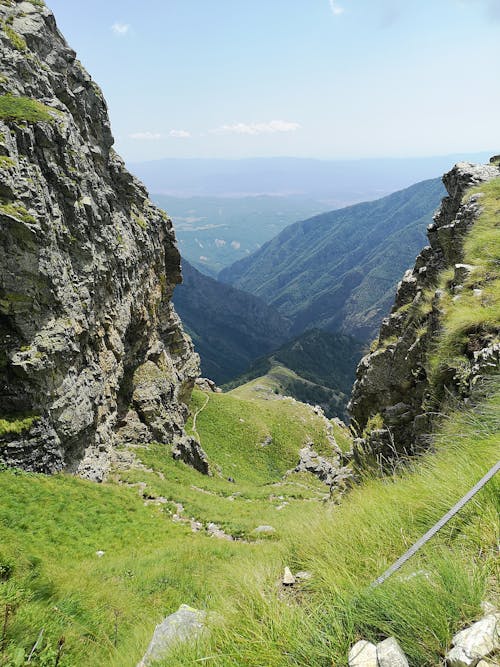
[474, 643]
[186, 624]
[264, 529]
[390, 654]
[363, 654]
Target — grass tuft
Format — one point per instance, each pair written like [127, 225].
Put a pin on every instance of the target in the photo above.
[24, 109]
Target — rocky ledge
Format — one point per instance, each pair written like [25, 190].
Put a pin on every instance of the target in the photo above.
[92, 352]
[392, 403]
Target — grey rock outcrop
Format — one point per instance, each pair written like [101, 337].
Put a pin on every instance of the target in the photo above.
[329, 471]
[388, 403]
[91, 349]
[184, 625]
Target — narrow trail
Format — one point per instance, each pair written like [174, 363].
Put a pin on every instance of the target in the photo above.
[195, 417]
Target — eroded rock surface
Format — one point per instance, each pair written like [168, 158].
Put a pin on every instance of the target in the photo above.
[91, 349]
[388, 399]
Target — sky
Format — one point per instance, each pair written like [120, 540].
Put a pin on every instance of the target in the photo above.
[328, 79]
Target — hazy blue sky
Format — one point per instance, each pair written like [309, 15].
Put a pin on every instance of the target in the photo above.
[315, 78]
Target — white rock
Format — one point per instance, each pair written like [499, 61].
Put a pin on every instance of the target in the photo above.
[288, 578]
[186, 624]
[100, 553]
[264, 529]
[390, 654]
[363, 654]
[476, 642]
[488, 608]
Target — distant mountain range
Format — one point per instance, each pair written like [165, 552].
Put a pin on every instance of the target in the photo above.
[338, 182]
[337, 271]
[317, 367]
[214, 232]
[230, 328]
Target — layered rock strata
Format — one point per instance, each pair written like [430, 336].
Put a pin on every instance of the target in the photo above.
[391, 403]
[91, 350]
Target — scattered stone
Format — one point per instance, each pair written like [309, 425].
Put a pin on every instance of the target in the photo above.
[288, 578]
[216, 531]
[267, 441]
[363, 654]
[390, 654]
[205, 384]
[462, 272]
[476, 642]
[196, 526]
[303, 575]
[264, 529]
[328, 471]
[100, 553]
[185, 624]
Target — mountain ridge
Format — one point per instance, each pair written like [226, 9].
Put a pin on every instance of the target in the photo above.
[230, 328]
[315, 271]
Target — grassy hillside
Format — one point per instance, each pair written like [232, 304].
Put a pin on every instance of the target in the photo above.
[317, 367]
[101, 610]
[338, 271]
[230, 328]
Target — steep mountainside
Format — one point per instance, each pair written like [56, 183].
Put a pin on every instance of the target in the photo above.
[337, 271]
[91, 349]
[443, 334]
[317, 367]
[230, 328]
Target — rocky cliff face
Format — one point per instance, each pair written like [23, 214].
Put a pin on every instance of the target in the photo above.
[394, 398]
[91, 350]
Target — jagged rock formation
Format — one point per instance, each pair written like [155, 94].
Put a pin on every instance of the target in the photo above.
[91, 349]
[391, 403]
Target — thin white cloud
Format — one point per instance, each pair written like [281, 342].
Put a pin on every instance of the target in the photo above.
[220, 243]
[337, 10]
[257, 128]
[120, 29]
[145, 136]
[236, 245]
[180, 134]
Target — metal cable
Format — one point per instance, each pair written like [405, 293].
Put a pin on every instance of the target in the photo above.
[437, 527]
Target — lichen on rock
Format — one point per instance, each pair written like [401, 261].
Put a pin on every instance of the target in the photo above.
[89, 341]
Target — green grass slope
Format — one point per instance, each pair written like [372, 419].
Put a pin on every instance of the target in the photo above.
[102, 611]
[338, 270]
[317, 367]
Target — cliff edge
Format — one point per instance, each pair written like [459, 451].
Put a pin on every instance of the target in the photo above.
[442, 335]
[91, 350]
